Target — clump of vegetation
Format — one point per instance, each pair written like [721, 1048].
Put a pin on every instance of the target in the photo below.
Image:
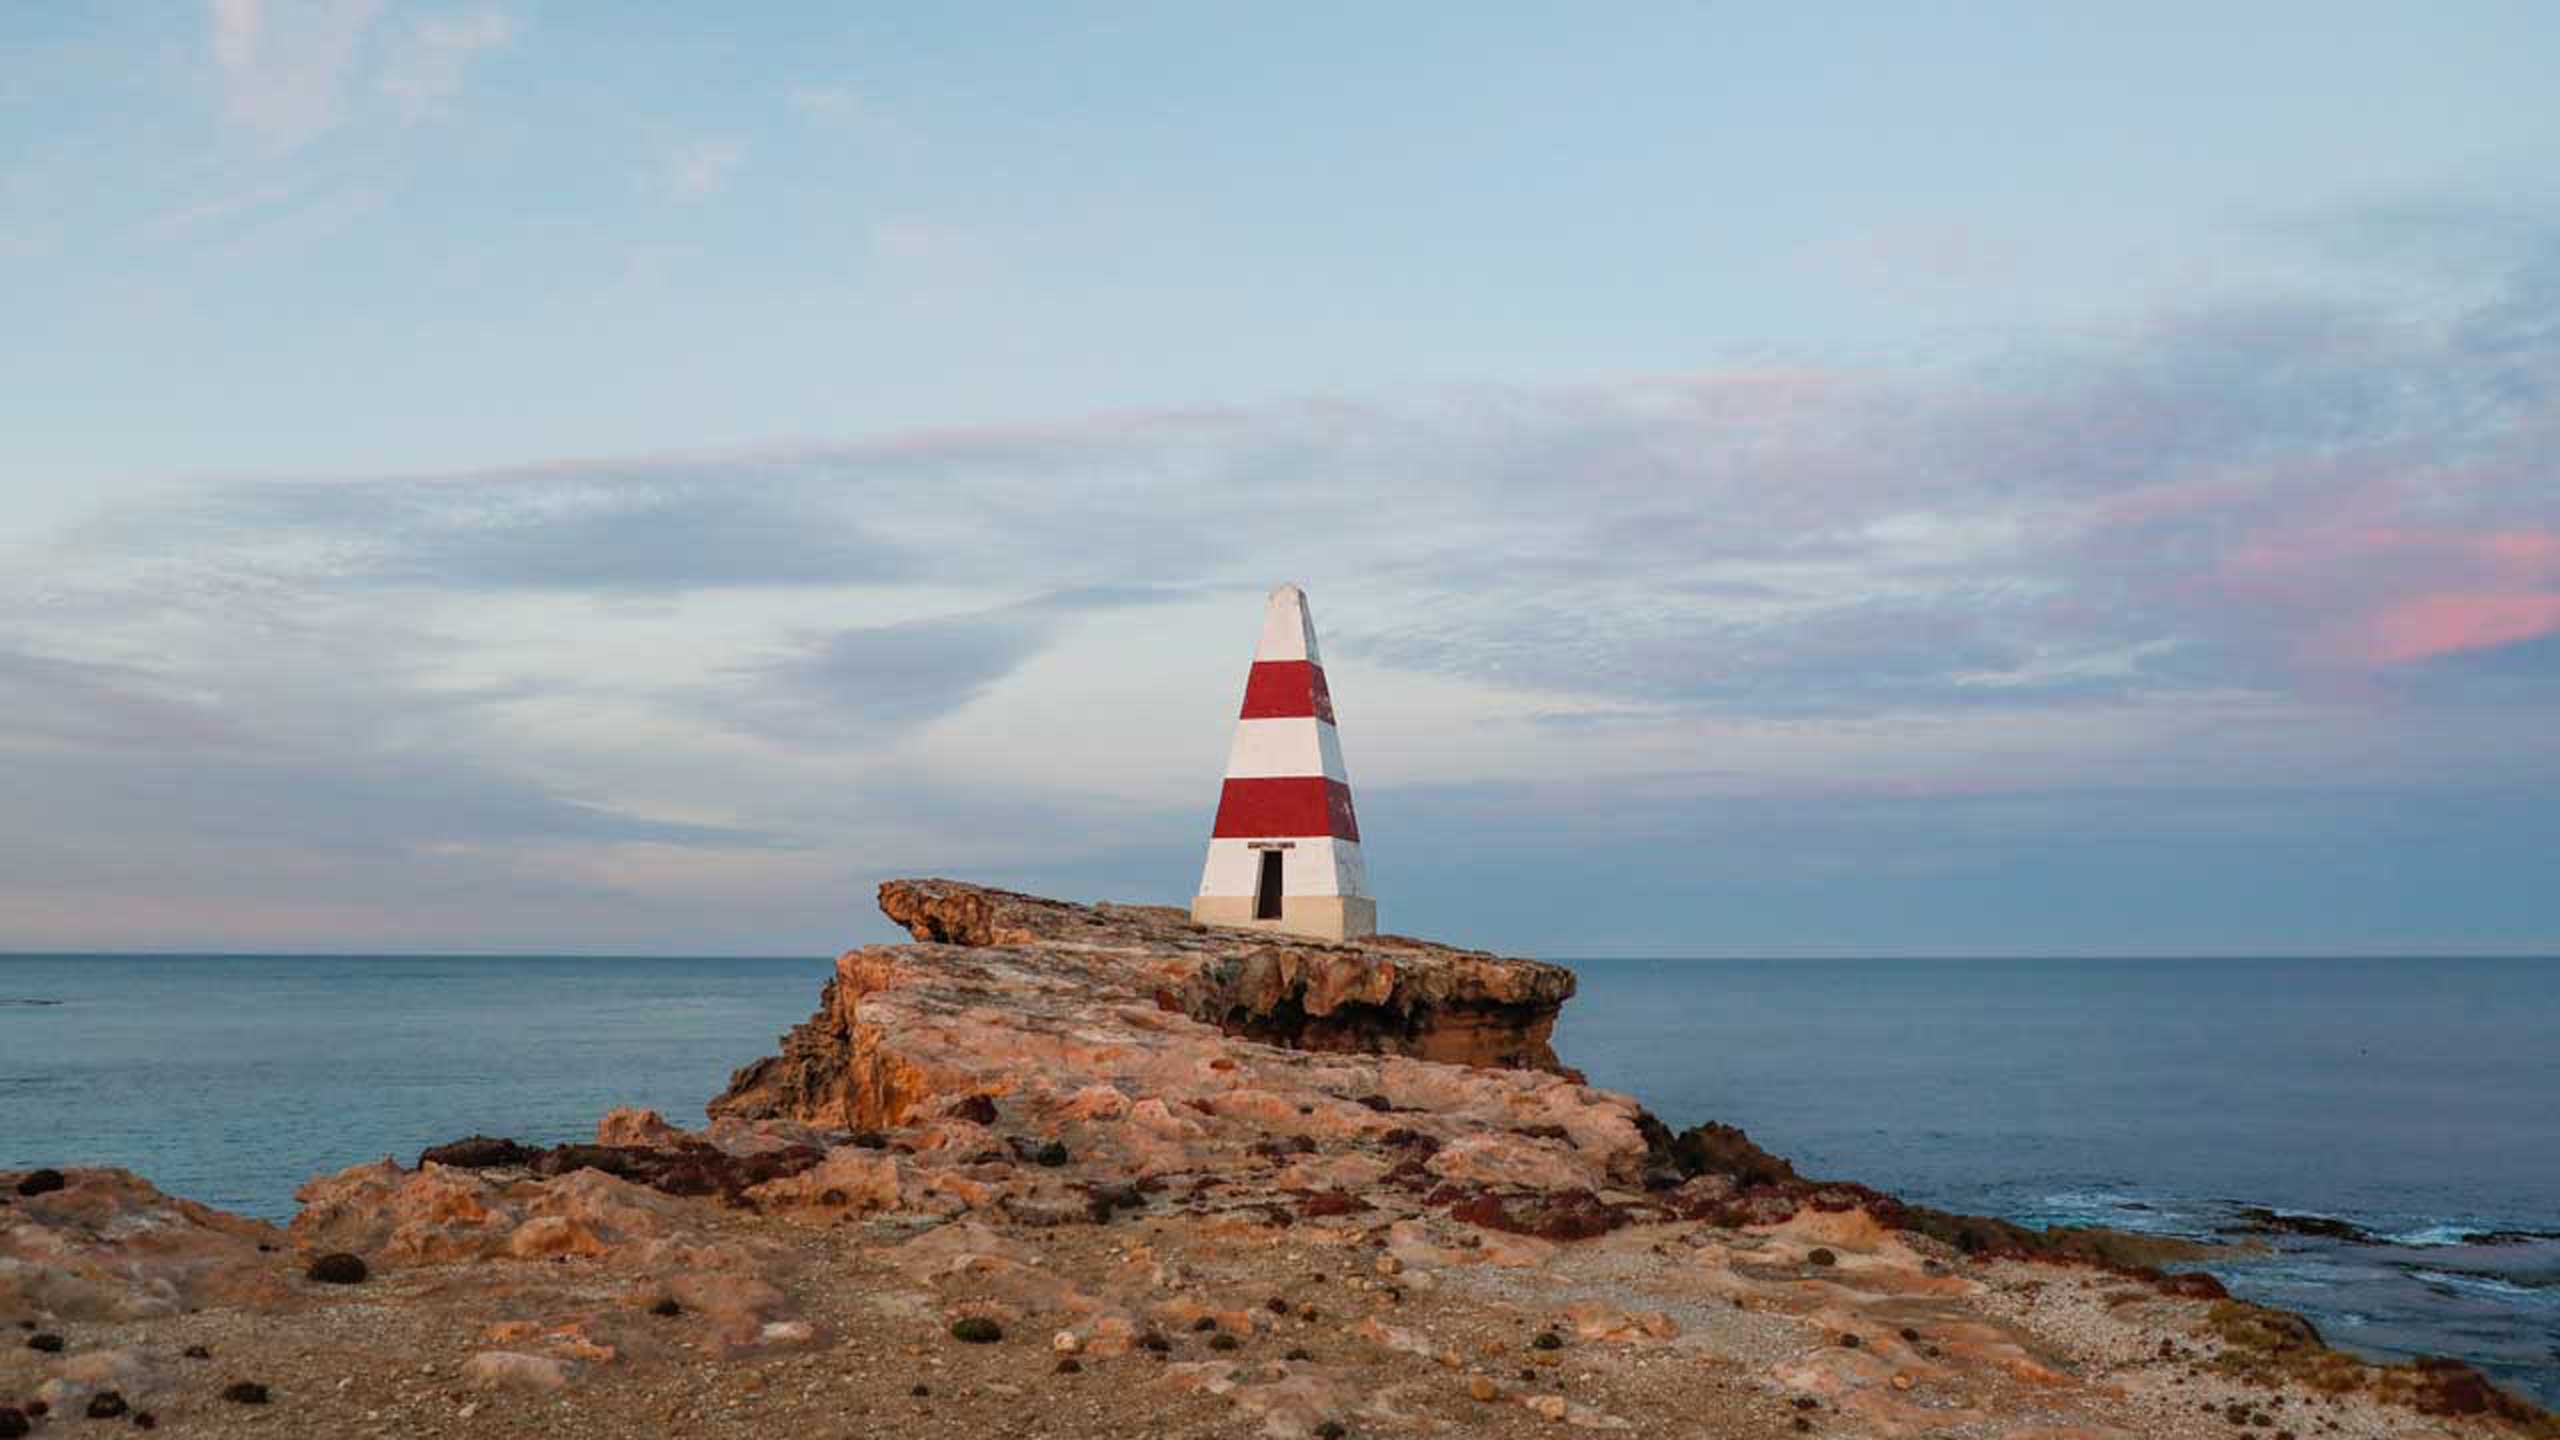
[337, 1268]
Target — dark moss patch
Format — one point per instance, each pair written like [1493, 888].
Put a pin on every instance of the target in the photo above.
[41, 1182]
[245, 1392]
[1549, 1215]
[976, 1330]
[337, 1268]
[479, 1152]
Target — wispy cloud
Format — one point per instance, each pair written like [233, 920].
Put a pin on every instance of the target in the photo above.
[429, 63]
[701, 169]
[284, 63]
[2239, 549]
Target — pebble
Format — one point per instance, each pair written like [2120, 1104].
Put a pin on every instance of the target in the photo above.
[48, 1342]
[1547, 1407]
[976, 1330]
[1066, 1342]
[106, 1405]
[1483, 1388]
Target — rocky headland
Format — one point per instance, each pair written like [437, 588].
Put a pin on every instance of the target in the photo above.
[1058, 1170]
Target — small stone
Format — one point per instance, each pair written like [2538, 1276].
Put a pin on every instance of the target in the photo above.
[1154, 1343]
[1277, 1305]
[46, 1341]
[976, 1330]
[1204, 1324]
[1066, 1342]
[1298, 1352]
[667, 1307]
[1901, 1382]
[196, 1352]
[245, 1392]
[40, 1182]
[1483, 1388]
[496, 1368]
[1910, 1334]
[1332, 1430]
[145, 1420]
[106, 1405]
[1547, 1407]
[920, 1390]
[1389, 1265]
[1803, 1424]
[1849, 1340]
[1820, 1256]
[1222, 1341]
[1546, 1340]
[337, 1268]
[1053, 1154]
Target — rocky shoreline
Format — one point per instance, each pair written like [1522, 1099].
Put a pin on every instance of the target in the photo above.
[1064, 1170]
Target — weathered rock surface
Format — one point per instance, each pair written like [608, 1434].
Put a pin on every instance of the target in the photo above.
[1064, 1170]
[105, 1245]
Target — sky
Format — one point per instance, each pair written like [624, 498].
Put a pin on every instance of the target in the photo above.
[1989, 479]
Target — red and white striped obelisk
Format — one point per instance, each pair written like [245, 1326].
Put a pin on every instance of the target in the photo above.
[1285, 851]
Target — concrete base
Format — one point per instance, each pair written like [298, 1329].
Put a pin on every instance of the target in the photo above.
[1319, 917]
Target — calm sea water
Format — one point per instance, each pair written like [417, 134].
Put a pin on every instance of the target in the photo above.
[2419, 1099]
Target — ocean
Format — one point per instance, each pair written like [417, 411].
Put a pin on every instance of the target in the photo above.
[2416, 1102]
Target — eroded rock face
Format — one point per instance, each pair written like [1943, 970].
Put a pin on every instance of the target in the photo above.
[103, 1245]
[859, 1060]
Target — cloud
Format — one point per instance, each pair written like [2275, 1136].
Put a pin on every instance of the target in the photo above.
[701, 169]
[428, 65]
[826, 102]
[2129, 585]
[284, 63]
[866, 684]
[663, 528]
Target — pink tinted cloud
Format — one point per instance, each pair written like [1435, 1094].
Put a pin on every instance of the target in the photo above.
[2426, 626]
[2393, 595]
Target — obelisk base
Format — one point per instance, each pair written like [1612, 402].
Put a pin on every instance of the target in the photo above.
[1318, 917]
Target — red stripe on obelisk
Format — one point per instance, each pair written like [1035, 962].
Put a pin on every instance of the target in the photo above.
[1286, 690]
[1288, 806]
